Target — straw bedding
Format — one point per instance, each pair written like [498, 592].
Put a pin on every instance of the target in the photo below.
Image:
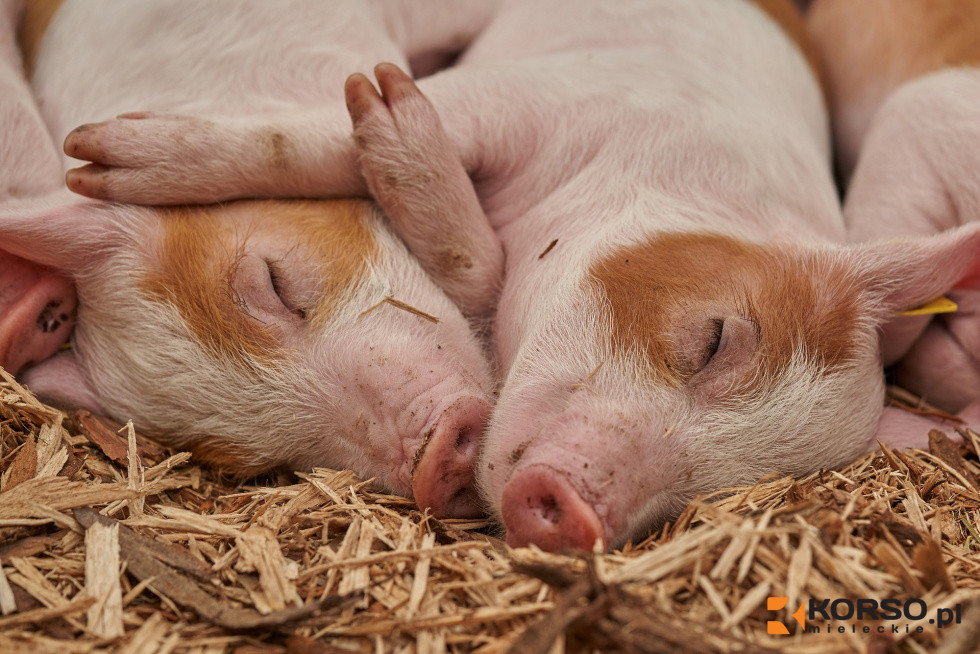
[109, 542]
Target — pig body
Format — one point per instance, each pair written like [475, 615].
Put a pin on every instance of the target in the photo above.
[905, 87]
[258, 334]
[676, 315]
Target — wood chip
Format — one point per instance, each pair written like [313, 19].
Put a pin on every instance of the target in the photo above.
[105, 617]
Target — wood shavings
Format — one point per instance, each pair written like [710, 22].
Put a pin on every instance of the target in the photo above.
[318, 562]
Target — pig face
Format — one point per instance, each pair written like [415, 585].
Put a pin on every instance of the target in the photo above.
[686, 364]
[257, 334]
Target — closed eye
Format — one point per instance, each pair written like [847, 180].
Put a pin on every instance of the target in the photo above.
[276, 278]
[717, 327]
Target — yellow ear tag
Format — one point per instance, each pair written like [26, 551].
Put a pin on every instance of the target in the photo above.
[939, 305]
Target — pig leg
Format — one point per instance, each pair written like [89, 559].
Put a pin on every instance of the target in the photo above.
[155, 158]
[943, 365]
[161, 158]
[414, 173]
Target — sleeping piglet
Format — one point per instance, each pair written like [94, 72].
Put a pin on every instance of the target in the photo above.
[904, 82]
[677, 313]
[257, 334]
[37, 304]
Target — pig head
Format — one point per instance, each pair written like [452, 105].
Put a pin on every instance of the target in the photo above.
[258, 334]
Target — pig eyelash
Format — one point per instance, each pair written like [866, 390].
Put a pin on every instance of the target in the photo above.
[243, 305]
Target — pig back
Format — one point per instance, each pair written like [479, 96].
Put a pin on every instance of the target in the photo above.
[100, 58]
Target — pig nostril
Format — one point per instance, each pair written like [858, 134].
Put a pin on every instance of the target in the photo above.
[540, 506]
[547, 507]
[467, 441]
[48, 321]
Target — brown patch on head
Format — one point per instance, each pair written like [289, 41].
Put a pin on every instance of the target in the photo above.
[197, 260]
[33, 25]
[788, 17]
[193, 272]
[657, 288]
[873, 46]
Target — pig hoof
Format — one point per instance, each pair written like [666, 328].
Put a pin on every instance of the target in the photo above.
[443, 477]
[88, 181]
[541, 507]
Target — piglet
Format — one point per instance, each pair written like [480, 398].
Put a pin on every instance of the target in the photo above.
[37, 304]
[256, 333]
[904, 82]
[677, 314]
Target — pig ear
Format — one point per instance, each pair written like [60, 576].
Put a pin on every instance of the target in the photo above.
[61, 230]
[62, 380]
[904, 274]
[901, 275]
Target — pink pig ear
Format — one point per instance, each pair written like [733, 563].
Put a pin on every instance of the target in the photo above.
[60, 230]
[900, 275]
[905, 274]
[62, 380]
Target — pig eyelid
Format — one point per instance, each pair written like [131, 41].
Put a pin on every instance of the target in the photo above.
[717, 327]
[276, 278]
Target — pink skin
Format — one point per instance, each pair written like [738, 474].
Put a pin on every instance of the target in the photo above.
[443, 478]
[552, 486]
[580, 447]
[542, 507]
[384, 392]
[37, 312]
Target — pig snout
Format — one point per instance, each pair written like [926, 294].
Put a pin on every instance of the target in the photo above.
[541, 506]
[442, 468]
[37, 312]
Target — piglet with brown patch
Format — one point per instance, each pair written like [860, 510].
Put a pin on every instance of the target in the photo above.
[255, 333]
[693, 323]
[904, 82]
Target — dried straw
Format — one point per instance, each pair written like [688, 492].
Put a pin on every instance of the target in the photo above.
[109, 542]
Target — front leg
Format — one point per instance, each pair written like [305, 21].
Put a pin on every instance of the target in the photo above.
[154, 158]
[415, 174]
